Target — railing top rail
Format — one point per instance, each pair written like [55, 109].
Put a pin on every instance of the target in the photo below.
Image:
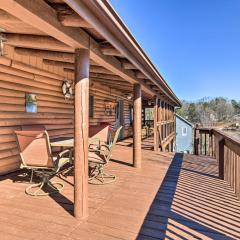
[205, 128]
[231, 141]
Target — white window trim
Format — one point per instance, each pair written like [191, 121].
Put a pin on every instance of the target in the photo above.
[184, 131]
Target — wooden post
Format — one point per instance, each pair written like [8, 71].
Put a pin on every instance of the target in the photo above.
[156, 135]
[81, 133]
[137, 126]
[174, 129]
[160, 124]
[196, 141]
[159, 111]
[220, 156]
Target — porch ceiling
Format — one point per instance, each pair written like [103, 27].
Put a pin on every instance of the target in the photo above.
[63, 27]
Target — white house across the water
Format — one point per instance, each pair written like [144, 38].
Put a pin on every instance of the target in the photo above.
[184, 135]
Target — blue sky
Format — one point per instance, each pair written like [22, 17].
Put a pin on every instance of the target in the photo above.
[194, 43]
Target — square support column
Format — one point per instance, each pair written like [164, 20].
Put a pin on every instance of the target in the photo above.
[156, 120]
[81, 125]
[137, 126]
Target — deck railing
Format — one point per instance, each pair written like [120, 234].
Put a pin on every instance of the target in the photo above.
[226, 149]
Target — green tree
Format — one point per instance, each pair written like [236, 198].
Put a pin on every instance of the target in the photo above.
[236, 106]
[192, 113]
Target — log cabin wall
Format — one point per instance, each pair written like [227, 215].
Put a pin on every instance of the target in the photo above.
[54, 111]
[99, 115]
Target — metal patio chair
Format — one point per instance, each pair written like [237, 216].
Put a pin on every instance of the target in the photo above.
[98, 159]
[99, 135]
[36, 155]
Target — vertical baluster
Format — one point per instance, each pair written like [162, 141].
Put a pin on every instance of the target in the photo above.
[212, 142]
[200, 143]
[235, 173]
[225, 164]
[233, 170]
[205, 143]
[209, 144]
[228, 166]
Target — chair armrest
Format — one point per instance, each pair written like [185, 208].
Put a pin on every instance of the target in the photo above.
[66, 156]
[66, 152]
[94, 143]
[93, 140]
[101, 150]
[105, 146]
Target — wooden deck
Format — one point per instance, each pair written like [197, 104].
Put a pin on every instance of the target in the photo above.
[171, 197]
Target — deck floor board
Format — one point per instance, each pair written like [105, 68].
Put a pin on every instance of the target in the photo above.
[171, 197]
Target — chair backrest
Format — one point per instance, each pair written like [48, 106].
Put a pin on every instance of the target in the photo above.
[34, 147]
[114, 141]
[101, 132]
[33, 127]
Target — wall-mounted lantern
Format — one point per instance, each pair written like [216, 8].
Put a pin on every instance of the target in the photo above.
[109, 107]
[31, 103]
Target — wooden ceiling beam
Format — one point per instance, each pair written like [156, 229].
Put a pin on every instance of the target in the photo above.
[10, 23]
[108, 76]
[61, 63]
[93, 69]
[41, 16]
[99, 69]
[112, 28]
[58, 63]
[7, 18]
[50, 55]
[73, 20]
[99, 87]
[109, 50]
[149, 83]
[31, 12]
[111, 85]
[56, 1]
[36, 42]
[126, 88]
[68, 70]
[140, 75]
[127, 65]
[126, 84]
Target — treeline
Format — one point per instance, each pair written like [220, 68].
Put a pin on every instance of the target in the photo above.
[210, 112]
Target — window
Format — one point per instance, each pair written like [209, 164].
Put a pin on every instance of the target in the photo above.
[91, 106]
[149, 114]
[184, 131]
[131, 114]
[117, 110]
[149, 117]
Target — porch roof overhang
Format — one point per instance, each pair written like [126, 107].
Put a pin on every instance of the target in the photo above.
[65, 25]
[101, 15]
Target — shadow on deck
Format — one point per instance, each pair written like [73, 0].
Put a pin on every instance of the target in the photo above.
[171, 197]
[192, 203]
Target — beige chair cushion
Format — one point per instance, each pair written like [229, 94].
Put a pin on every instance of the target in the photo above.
[95, 158]
[61, 162]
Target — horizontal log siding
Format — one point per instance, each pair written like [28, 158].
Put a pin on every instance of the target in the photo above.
[54, 111]
[99, 111]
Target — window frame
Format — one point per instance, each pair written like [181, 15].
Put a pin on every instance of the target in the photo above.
[91, 106]
[130, 109]
[184, 133]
